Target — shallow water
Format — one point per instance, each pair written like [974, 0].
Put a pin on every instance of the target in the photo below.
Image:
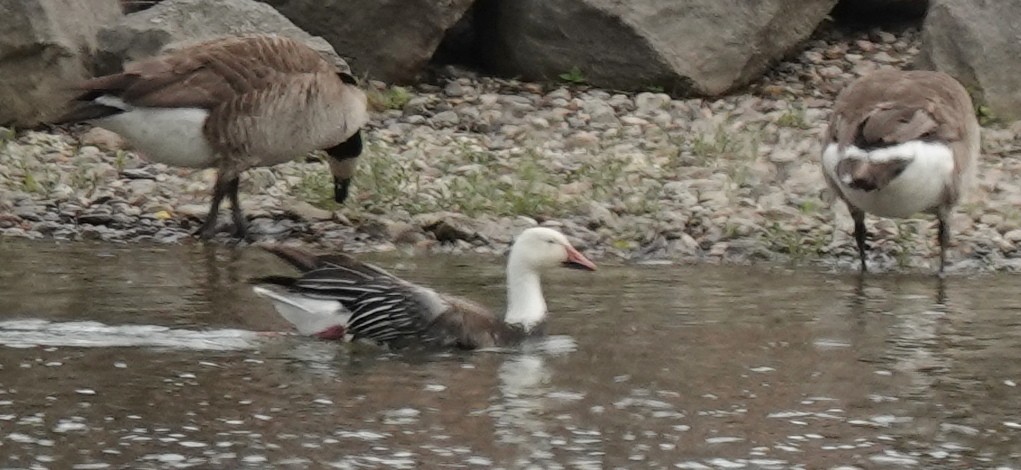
[151, 357]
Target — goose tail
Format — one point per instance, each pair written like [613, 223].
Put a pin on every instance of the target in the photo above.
[324, 318]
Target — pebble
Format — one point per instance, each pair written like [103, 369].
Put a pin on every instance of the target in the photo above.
[446, 118]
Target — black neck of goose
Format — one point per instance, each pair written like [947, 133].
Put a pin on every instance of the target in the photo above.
[344, 154]
[350, 148]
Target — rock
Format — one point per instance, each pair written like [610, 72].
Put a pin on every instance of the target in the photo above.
[45, 46]
[448, 226]
[103, 139]
[992, 220]
[28, 212]
[600, 215]
[454, 90]
[195, 211]
[95, 218]
[446, 119]
[707, 47]
[955, 29]
[404, 233]
[600, 112]
[306, 211]
[175, 23]
[391, 40]
[648, 102]
[417, 105]
[719, 249]
[137, 173]
[583, 139]
[266, 226]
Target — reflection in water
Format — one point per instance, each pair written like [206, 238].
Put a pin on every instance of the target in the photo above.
[921, 322]
[524, 390]
[215, 281]
[659, 367]
[524, 381]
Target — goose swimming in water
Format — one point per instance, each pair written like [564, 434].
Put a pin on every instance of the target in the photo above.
[338, 297]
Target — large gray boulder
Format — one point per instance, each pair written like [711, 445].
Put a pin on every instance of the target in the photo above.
[46, 46]
[979, 43]
[390, 40]
[705, 47]
[173, 23]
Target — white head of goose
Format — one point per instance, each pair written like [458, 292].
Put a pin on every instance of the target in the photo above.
[231, 103]
[337, 297]
[900, 143]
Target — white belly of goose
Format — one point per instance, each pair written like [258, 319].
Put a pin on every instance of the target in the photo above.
[172, 136]
[919, 187]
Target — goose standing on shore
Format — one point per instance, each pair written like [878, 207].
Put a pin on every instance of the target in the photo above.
[232, 103]
[339, 298]
[900, 143]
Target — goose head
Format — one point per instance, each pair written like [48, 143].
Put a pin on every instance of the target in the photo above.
[539, 248]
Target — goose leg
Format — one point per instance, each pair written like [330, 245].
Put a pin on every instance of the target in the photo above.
[944, 240]
[208, 229]
[240, 224]
[860, 234]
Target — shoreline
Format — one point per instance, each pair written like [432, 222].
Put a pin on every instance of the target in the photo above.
[456, 167]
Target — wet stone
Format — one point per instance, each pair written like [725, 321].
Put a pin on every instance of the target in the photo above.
[96, 218]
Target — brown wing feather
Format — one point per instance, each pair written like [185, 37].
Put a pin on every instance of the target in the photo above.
[208, 73]
[890, 126]
[305, 112]
[305, 261]
[297, 257]
[893, 106]
[469, 325]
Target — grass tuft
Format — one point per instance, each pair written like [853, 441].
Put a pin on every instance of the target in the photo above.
[793, 118]
[394, 97]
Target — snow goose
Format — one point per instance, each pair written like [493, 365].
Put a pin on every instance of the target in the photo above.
[337, 297]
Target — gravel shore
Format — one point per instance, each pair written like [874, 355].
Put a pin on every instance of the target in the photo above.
[464, 165]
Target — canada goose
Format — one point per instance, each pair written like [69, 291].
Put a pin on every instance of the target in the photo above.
[232, 103]
[337, 297]
[900, 143]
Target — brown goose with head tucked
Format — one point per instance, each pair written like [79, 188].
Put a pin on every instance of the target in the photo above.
[232, 103]
[900, 143]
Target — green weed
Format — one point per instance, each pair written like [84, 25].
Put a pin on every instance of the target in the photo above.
[574, 76]
[394, 97]
[794, 118]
